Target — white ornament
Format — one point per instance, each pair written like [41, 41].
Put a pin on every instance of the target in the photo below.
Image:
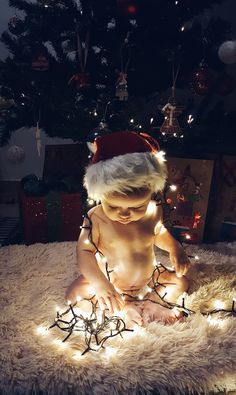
[38, 138]
[227, 52]
[15, 154]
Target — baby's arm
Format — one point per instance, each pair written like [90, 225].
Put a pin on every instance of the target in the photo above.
[165, 241]
[105, 292]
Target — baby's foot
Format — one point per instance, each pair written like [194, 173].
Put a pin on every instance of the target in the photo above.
[156, 312]
[133, 314]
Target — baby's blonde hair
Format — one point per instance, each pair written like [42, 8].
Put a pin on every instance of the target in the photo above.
[125, 174]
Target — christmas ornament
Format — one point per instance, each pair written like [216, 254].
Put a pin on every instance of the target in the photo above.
[15, 154]
[170, 126]
[121, 87]
[5, 104]
[202, 80]
[68, 46]
[100, 130]
[15, 25]
[79, 81]
[227, 52]
[40, 63]
[127, 7]
[226, 84]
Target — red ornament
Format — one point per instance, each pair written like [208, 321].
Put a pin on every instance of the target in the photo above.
[127, 7]
[226, 85]
[202, 80]
[79, 81]
[40, 63]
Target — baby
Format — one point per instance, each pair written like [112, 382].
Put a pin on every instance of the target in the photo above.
[115, 249]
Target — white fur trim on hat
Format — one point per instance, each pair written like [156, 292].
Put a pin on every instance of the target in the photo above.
[124, 173]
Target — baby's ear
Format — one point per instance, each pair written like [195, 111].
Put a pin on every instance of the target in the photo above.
[91, 146]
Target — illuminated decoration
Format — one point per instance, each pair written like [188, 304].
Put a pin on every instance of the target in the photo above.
[98, 327]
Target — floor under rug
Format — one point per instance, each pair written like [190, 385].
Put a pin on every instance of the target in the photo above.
[193, 357]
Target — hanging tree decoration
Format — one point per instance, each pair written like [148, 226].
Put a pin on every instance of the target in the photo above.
[38, 136]
[121, 84]
[81, 80]
[40, 62]
[15, 25]
[170, 126]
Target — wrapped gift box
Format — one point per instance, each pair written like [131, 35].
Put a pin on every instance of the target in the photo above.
[192, 180]
[53, 217]
[222, 219]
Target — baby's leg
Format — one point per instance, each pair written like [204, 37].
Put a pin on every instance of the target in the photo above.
[79, 287]
[133, 313]
[171, 286]
[174, 287]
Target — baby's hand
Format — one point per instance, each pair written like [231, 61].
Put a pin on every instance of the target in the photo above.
[108, 297]
[179, 260]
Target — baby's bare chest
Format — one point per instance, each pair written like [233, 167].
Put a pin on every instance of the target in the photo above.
[118, 239]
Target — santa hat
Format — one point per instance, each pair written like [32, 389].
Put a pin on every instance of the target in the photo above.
[122, 162]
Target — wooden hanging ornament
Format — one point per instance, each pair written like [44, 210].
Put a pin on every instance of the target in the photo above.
[38, 138]
[121, 84]
[170, 126]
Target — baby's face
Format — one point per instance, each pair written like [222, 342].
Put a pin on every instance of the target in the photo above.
[126, 208]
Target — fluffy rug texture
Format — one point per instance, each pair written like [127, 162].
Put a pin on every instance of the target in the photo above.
[196, 356]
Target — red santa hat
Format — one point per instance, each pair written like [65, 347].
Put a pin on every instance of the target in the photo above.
[123, 161]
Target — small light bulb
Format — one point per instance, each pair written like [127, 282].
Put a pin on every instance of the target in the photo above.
[86, 241]
[173, 187]
[78, 298]
[59, 343]
[140, 297]
[190, 119]
[196, 257]
[219, 305]
[91, 202]
[163, 134]
[187, 236]
[91, 290]
[132, 120]
[42, 330]
[175, 134]
[110, 351]
[151, 120]
[161, 155]
[182, 28]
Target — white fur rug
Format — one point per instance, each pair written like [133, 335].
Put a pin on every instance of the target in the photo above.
[196, 356]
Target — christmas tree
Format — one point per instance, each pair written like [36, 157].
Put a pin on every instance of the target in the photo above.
[79, 67]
